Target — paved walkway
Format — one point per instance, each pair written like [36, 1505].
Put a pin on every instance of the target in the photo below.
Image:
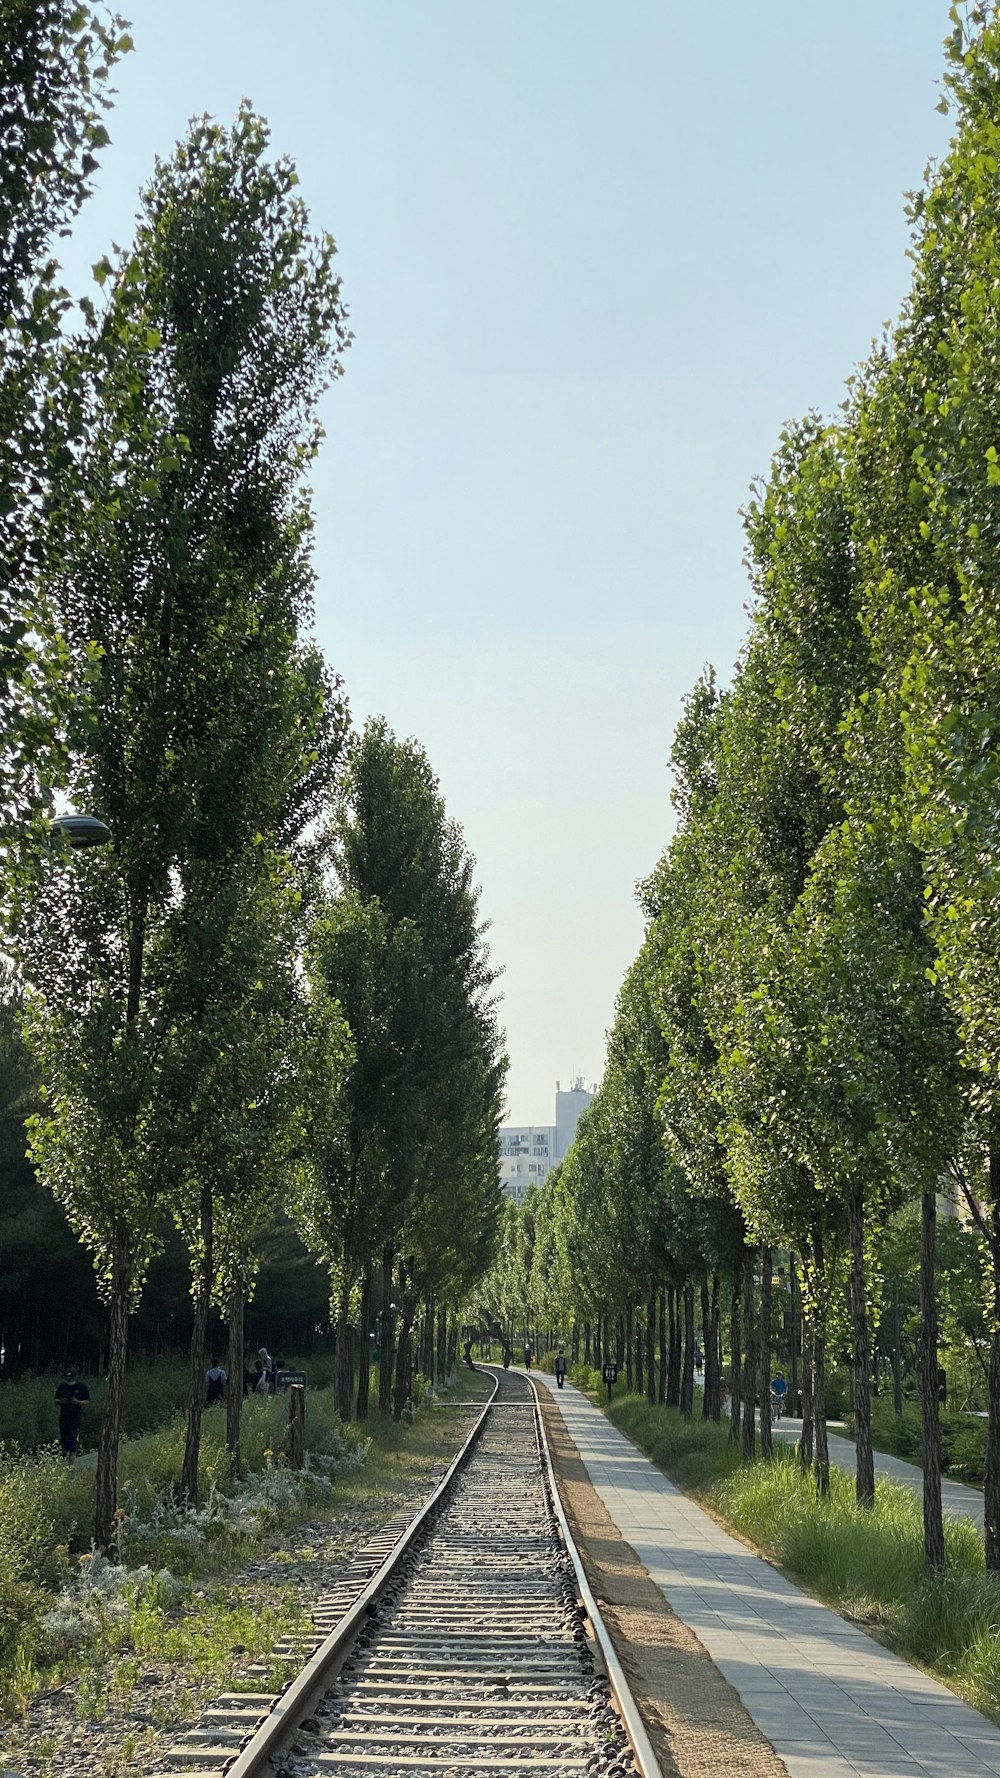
[830, 1700]
[956, 1498]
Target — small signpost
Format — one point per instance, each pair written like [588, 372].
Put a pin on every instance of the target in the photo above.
[297, 1424]
[610, 1375]
[285, 1379]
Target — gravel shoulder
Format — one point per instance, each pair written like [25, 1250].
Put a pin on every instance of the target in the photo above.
[696, 1721]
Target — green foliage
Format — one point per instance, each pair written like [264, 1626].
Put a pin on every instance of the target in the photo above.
[54, 74]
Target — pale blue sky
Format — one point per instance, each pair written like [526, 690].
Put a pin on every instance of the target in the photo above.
[594, 255]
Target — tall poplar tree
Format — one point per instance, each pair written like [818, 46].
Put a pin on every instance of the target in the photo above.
[186, 563]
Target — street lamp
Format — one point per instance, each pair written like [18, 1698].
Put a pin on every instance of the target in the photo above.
[81, 830]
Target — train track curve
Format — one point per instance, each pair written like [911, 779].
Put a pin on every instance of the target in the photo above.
[466, 1642]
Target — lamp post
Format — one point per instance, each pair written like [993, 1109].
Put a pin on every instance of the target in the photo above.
[81, 830]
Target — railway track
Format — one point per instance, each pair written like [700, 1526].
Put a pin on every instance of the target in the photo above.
[465, 1642]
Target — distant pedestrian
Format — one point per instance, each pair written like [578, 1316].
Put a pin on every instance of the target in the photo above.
[261, 1383]
[70, 1397]
[467, 1354]
[527, 1358]
[215, 1383]
[270, 1370]
[507, 1356]
[560, 1368]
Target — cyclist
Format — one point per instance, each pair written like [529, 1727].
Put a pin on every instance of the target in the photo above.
[779, 1389]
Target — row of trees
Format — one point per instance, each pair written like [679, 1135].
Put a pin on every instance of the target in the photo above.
[271, 989]
[808, 1037]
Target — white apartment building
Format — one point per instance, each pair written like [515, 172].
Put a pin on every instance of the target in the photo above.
[528, 1152]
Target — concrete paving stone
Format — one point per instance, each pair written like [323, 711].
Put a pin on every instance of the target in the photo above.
[832, 1702]
[807, 1762]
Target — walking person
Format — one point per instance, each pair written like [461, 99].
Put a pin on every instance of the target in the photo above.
[215, 1383]
[70, 1397]
[560, 1368]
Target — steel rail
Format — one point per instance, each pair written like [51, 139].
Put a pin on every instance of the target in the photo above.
[296, 1702]
[642, 1748]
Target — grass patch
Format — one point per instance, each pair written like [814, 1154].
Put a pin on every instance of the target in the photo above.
[869, 1565]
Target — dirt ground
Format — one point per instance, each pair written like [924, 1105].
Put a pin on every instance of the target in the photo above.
[694, 1718]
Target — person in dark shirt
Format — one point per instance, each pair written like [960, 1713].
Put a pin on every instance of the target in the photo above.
[70, 1397]
[215, 1383]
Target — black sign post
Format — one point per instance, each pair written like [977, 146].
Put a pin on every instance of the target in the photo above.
[610, 1375]
[285, 1379]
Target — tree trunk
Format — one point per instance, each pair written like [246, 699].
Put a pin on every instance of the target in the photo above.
[687, 1375]
[199, 1330]
[651, 1348]
[640, 1353]
[821, 1450]
[386, 1341]
[427, 1361]
[586, 1343]
[735, 1365]
[401, 1386]
[628, 1348]
[365, 1344]
[806, 1435]
[766, 1263]
[234, 1385]
[749, 1361]
[343, 1385]
[442, 1344]
[661, 1381]
[716, 1351]
[897, 1368]
[674, 1360]
[106, 1484]
[706, 1341]
[795, 1331]
[864, 1482]
[991, 1475]
[930, 1416]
